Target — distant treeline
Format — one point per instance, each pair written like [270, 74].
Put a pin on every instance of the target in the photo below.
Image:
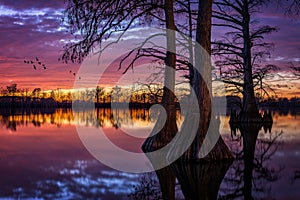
[29, 102]
[34, 102]
[281, 102]
[233, 103]
[282, 105]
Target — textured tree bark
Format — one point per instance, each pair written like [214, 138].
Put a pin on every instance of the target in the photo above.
[202, 86]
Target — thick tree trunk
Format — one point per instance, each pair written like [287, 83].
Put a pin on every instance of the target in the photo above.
[202, 86]
[169, 129]
[249, 110]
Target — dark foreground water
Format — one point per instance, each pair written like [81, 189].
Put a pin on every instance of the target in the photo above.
[42, 157]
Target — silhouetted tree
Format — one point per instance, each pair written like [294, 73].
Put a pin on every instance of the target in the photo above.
[242, 50]
[12, 89]
[99, 20]
[99, 94]
[201, 83]
[115, 17]
[36, 92]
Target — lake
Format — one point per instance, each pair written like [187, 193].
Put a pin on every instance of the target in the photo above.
[42, 157]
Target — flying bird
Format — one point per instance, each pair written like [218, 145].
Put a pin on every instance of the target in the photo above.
[74, 74]
[34, 62]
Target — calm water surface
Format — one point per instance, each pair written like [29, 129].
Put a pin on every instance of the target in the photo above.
[41, 156]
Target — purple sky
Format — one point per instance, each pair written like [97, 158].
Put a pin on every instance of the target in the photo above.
[33, 28]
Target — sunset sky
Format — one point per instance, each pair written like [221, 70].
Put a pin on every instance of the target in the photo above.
[33, 28]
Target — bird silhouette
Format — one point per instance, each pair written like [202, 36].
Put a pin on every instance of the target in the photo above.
[74, 74]
[34, 63]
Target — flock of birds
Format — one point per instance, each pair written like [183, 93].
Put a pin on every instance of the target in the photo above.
[37, 63]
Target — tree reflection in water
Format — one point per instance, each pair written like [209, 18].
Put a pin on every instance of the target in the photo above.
[148, 188]
[247, 177]
[202, 180]
[196, 181]
[103, 117]
[250, 173]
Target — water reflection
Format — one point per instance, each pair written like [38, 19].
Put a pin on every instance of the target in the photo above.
[200, 181]
[147, 188]
[248, 177]
[250, 174]
[46, 159]
[73, 179]
[98, 117]
[182, 180]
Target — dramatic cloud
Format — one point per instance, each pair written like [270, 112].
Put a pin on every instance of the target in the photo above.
[33, 28]
[30, 29]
